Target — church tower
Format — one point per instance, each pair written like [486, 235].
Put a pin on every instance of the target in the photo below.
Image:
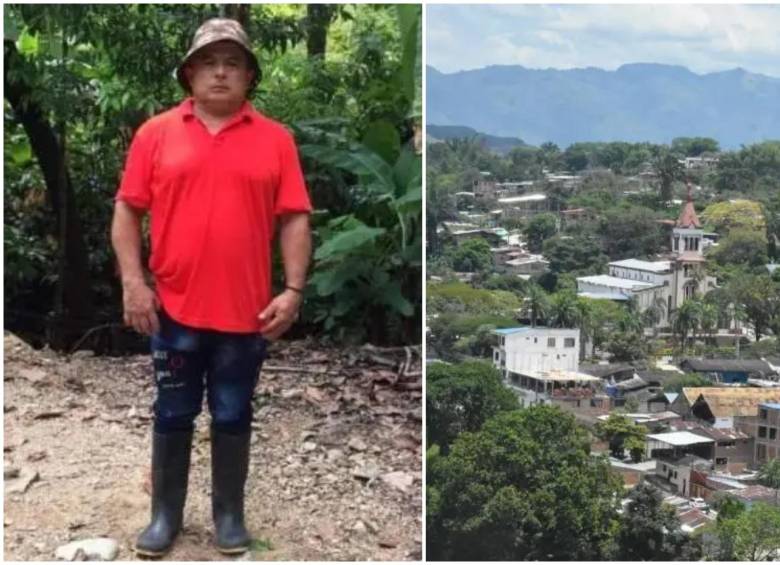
[687, 236]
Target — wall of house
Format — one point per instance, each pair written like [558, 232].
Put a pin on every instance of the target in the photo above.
[542, 350]
[768, 425]
[734, 456]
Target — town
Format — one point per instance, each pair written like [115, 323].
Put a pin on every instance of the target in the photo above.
[630, 290]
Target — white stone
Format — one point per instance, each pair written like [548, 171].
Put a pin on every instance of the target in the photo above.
[97, 549]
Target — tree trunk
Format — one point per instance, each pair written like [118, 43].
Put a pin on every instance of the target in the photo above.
[318, 18]
[47, 148]
[238, 12]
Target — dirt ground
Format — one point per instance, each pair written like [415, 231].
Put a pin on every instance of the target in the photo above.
[335, 470]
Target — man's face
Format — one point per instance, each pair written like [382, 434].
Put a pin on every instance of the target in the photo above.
[219, 72]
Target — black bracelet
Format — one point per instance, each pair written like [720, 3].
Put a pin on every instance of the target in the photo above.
[298, 290]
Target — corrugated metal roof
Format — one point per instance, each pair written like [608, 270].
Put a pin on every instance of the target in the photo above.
[615, 282]
[725, 365]
[679, 439]
[639, 265]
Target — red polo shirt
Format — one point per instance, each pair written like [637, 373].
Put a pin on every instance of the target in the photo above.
[213, 200]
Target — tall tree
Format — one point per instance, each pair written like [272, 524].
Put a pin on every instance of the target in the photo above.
[460, 398]
[525, 487]
[650, 531]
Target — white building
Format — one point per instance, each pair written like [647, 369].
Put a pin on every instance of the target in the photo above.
[540, 364]
[665, 284]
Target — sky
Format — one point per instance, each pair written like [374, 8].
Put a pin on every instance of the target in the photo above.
[703, 38]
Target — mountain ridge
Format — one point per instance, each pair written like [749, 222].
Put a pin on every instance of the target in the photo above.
[651, 102]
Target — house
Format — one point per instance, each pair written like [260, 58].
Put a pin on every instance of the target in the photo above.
[677, 471]
[674, 445]
[661, 401]
[732, 451]
[527, 264]
[525, 206]
[767, 436]
[719, 406]
[728, 371]
[541, 364]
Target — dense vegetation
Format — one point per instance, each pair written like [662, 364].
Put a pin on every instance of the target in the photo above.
[80, 79]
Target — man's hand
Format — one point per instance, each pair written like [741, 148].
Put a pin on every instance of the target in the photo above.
[280, 314]
[141, 305]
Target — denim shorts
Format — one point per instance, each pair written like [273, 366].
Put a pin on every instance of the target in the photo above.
[188, 360]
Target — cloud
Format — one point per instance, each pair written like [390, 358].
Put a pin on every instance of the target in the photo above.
[704, 38]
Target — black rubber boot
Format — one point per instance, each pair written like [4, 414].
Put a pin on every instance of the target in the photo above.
[229, 466]
[170, 470]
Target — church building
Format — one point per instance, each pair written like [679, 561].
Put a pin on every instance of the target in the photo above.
[663, 284]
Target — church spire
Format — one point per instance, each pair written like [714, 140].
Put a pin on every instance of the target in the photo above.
[688, 217]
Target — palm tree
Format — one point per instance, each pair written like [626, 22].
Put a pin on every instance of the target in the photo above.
[563, 310]
[654, 314]
[709, 320]
[585, 321]
[537, 303]
[685, 321]
[769, 476]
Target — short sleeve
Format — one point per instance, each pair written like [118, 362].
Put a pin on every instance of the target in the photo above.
[135, 187]
[291, 195]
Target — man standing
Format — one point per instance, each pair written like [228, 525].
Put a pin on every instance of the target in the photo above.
[219, 179]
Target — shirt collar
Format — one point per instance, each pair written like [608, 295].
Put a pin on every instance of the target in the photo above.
[187, 111]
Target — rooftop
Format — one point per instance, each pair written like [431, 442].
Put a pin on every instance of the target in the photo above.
[770, 405]
[639, 265]
[615, 282]
[722, 365]
[725, 402]
[526, 198]
[679, 439]
[688, 217]
[603, 295]
[559, 375]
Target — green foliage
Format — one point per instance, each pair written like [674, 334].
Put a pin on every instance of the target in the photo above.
[631, 231]
[748, 535]
[576, 255]
[460, 398]
[742, 247]
[621, 434]
[472, 256]
[540, 228]
[525, 487]
[650, 531]
[679, 382]
[769, 475]
[463, 298]
[694, 146]
[735, 214]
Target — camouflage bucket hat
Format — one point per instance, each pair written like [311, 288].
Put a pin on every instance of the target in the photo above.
[212, 31]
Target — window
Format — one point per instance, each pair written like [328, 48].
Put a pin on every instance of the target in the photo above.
[761, 431]
[550, 342]
[721, 460]
[772, 433]
[536, 340]
[663, 468]
[727, 443]
[568, 342]
[675, 474]
[763, 414]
